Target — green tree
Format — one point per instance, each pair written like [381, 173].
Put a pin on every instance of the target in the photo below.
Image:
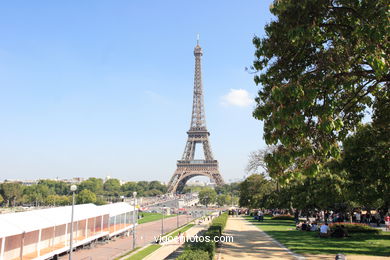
[254, 190]
[321, 64]
[59, 187]
[112, 186]
[85, 196]
[37, 193]
[51, 200]
[63, 200]
[366, 159]
[128, 188]
[231, 189]
[143, 185]
[223, 200]
[1, 199]
[11, 192]
[93, 184]
[153, 192]
[207, 196]
[156, 185]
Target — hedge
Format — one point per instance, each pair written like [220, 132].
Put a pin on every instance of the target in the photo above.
[207, 247]
[283, 217]
[355, 227]
[193, 255]
[192, 248]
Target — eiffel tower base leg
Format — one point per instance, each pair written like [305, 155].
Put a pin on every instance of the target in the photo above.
[180, 178]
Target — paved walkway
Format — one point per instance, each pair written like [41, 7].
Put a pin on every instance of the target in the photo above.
[170, 247]
[250, 243]
[145, 234]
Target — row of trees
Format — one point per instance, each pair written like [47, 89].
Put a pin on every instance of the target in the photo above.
[92, 190]
[360, 178]
[223, 195]
[322, 67]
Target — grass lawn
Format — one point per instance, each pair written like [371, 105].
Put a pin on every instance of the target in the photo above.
[303, 242]
[183, 229]
[149, 217]
[150, 249]
[128, 253]
[144, 252]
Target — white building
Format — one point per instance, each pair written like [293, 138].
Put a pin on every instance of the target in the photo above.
[42, 234]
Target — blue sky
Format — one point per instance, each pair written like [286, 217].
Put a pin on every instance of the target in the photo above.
[96, 88]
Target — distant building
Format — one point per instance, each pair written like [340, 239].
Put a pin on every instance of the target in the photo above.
[196, 183]
[75, 180]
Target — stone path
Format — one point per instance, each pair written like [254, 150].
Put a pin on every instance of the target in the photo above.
[168, 248]
[114, 248]
[250, 243]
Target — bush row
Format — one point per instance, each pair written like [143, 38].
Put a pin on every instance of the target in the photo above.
[355, 227]
[204, 250]
[283, 217]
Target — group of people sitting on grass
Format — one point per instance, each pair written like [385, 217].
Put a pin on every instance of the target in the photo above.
[324, 229]
[307, 226]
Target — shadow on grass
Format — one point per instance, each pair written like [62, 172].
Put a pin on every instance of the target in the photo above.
[310, 243]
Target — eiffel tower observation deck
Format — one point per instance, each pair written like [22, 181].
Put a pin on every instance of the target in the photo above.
[189, 167]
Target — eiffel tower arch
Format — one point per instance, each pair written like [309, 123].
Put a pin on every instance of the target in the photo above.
[189, 167]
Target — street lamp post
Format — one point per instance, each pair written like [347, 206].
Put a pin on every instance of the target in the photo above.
[134, 196]
[73, 188]
[177, 217]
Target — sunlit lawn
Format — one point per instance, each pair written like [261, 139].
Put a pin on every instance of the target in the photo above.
[304, 242]
[149, 217]
[182, 230]
[144, 252]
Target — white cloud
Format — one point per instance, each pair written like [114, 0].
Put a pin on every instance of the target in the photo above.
[237, 97]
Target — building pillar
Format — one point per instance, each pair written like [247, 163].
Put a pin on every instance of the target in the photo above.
[2, 248]
[39, 242]
[86, 228]
[22, 245]
[101, 225]
[66, 234]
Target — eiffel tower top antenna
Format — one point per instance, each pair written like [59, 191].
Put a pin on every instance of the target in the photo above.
[198, 118]
[197, 39]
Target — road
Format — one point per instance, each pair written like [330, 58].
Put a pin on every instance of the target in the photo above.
[145, 234]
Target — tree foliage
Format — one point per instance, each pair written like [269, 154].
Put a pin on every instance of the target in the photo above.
[223, 199]
[321, 64]
[37, 194]
[254, 191]
[231, 189]
[11, 192]
[366, 159]
[93, 184]
[112, 186]
[207, 196]
[85, 196]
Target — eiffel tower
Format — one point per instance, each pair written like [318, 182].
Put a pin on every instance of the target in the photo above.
[188, 166]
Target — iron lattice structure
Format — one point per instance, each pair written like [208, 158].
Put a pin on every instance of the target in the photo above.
[188, 166]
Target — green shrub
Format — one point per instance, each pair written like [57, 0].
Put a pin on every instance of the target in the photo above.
[217, 225]
[355, 228]
[283, 217]
[220, 221]
[208, 247]
[193, 255]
